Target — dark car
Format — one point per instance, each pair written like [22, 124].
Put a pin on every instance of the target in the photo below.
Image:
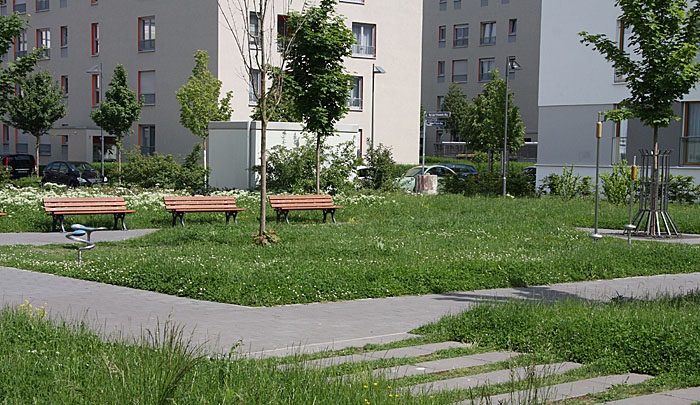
[22, 164]
[461, 169]
[72, 174]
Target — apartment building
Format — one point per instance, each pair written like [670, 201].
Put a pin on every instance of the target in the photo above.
[86, 39]
[576, 83]
[465, 40]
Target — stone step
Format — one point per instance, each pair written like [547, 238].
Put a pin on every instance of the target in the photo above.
[564, 391]
[686, 396]
[437, 366]
[401, 352]
[494, 377]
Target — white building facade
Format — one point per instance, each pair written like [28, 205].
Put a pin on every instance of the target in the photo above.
[85, 35]
[576, 83]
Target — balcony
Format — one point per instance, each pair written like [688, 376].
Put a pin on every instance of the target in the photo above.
[148, 99]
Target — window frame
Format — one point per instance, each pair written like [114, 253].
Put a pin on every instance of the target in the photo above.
[486, 76]
[96, 94]
[466, 75]
[357, 82]
[140, 94]
[95, 39]
[358, 46]
[464, 40]
[43, 38]
[483, 41]
[142, 41]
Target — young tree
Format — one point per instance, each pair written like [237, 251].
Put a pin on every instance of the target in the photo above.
[483, 124]
[316, 67]
[10, 28]
[118, 111]
[36, 107]
[250, 23]
[661, 70]
[457, 104]
[199, 102]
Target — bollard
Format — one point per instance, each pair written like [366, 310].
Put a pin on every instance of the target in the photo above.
[598, 134]
[630, 227]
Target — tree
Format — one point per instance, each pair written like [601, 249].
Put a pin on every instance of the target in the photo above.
[199, 101]
[316, 67]
[118, 111]
[249, 23]
[286, 110]
[10, 28]
[457, 104]
[36, 107]
[484, 122]
[664, 38]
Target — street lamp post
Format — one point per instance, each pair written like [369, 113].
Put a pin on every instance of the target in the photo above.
[511, 66]
[98, 69]
[375, 71]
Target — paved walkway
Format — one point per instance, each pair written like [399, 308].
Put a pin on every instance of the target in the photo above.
[49, 238]
[684, 239]
[276, 330]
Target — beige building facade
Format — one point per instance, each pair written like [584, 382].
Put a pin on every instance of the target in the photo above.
[85, 37]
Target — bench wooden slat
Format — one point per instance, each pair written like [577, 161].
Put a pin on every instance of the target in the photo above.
[200, 198]
[285, 203]
[179, 205]
[83, 199]
[2, 214]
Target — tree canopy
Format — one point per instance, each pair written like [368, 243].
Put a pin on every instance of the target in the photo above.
[457, 104]
[10, 28]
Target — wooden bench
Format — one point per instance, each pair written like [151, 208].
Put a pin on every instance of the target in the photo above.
[60, 207]
[178, 206]
[285, 203]
[2, 214]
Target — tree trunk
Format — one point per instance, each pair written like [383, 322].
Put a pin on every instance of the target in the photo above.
[318, 164]
[654, 200]
[262, 102]
[119, 164]
[36, 153]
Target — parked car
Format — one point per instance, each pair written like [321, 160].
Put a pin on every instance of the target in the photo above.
[22, 164]
[72, 174]
[461, 168]
[408, 181]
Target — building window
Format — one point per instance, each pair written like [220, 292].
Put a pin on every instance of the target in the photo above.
[64, 85]
[442, 36]
[484, 3]
[365, 38]
[459, 71]
[623, 37]
[21, 147]
[20, 6]
[458, 4]
[691, 140]
[95, 35]
[93, 2]
[42, 5]
[254, 30]
[488, 33]
[44, 149]
[443, 5]
[440, 101]
[355, 99]
[63, 3]
[147, 139]
[43, 40]
[486, 67]
[64, 41]
[147, 87]
[254, 88]
[147, 33]
[64, 147]
[283, 35]
[96, 94]
[441, 71]
[461, 36]
[5, 138]
[21, 45]
[512, 29]
[3, 7]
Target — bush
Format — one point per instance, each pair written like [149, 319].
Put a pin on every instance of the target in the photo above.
[616, 184]
[294, 169]
[5, 174]
[517, 185]
[682, 189]
[165, 172]
[384, 169]
[567, 185]
[30, 181]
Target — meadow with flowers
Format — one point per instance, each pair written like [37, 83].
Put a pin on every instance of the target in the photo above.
[384, 245]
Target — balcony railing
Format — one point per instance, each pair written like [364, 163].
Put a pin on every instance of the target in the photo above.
[450, 149]
[355, 103]
[46, 54]
[147, 45]
[148, 150]
[461, 42]
[488, 40]
[21, 8]
[363, 50]
[459, 78]
[148, 99]
[20, 54]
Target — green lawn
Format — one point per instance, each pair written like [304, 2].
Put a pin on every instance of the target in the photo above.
[383, 245]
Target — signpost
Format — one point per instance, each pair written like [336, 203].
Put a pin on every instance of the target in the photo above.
[432, 119]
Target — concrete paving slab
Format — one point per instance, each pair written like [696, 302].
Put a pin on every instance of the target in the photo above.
[686, 396]
[570, 390]
[283, 330]
[684, 239]
[494, 377]
[401, 352]
[437, 366]
[52, 238]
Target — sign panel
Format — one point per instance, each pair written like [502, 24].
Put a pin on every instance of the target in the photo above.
[438, 114]
[432, 123]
